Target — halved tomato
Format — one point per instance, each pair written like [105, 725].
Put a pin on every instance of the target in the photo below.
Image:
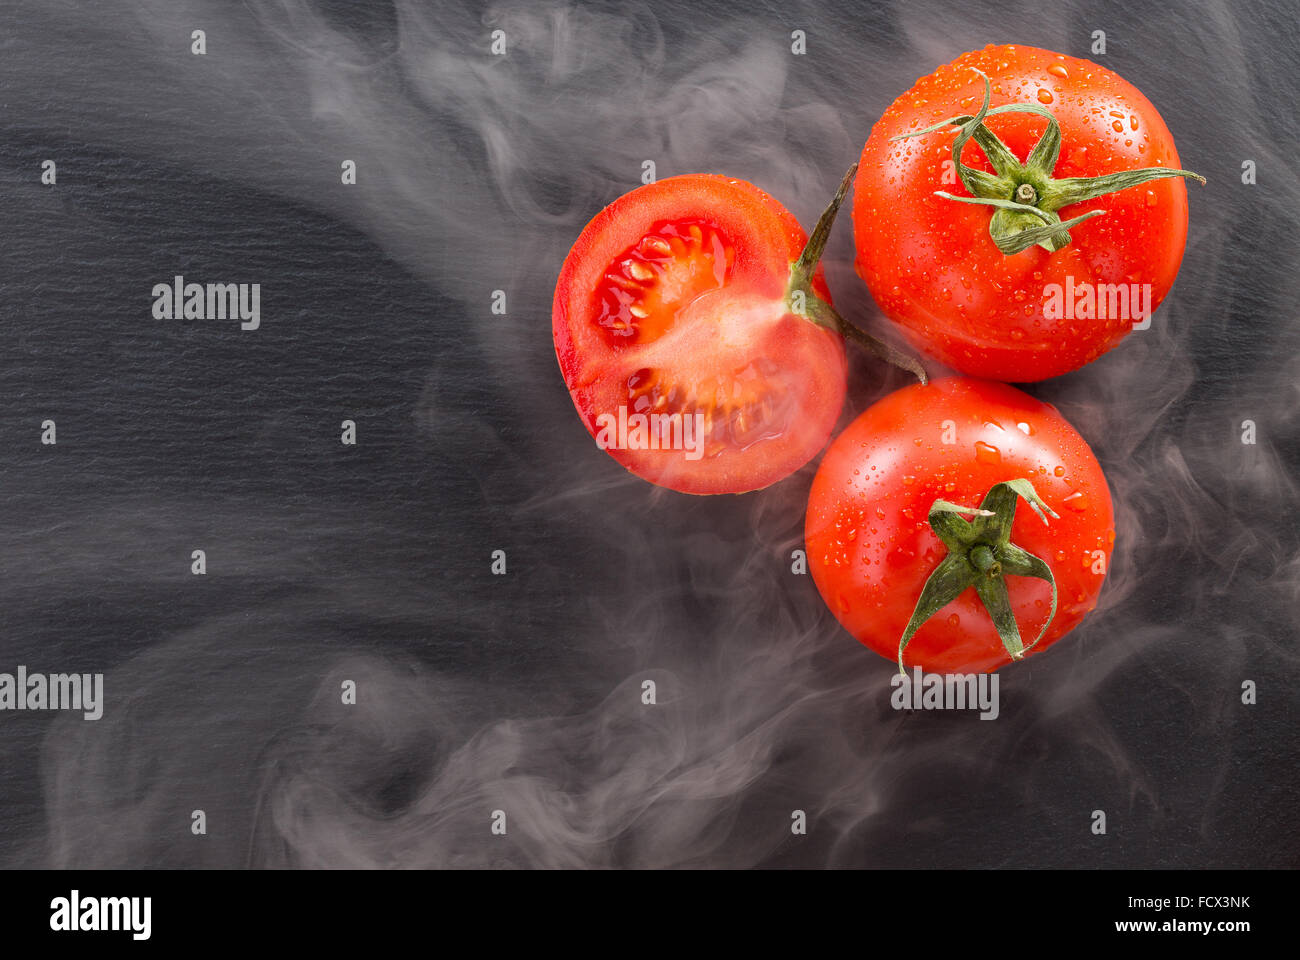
[698, 352]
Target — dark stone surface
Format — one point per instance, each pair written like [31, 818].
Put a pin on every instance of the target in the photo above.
[371, 563]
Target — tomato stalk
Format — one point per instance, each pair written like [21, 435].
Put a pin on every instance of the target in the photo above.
[981, 555]
[1025, 196]
[804, 302]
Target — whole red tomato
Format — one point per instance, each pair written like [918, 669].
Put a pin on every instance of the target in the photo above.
[679, 344]
[893, 537]
[971, 259]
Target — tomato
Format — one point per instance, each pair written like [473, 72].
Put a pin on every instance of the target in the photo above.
[677, 339]
[932, 261]
[872, 547]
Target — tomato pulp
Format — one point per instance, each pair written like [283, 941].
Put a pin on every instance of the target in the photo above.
[675, 334]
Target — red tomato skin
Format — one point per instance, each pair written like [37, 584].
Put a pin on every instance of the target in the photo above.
[870, 546]
[930, 262]
[767, 239]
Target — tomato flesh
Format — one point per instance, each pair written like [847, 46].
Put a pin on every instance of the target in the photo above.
[671, 305]
[668, 269]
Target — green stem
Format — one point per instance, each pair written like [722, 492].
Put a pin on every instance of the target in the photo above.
[803, 300]
[1029, 187]
[981, 556]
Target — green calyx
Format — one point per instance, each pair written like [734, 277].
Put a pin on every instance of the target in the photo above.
[981, 555]
[803, 302]
[1025, 197]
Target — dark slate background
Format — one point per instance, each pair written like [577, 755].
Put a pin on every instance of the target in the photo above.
[522, 692]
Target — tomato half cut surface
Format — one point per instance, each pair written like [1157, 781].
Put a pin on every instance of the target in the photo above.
[675, 335]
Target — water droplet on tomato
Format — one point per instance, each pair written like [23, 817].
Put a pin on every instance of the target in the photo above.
[1058, 70]
[1077, 501]
[1118, 126]
[1044, 96]
[987, 453]
[1025, 428]
[954, 620]
[1152, 200]
[900, 557]
[1059, 471]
